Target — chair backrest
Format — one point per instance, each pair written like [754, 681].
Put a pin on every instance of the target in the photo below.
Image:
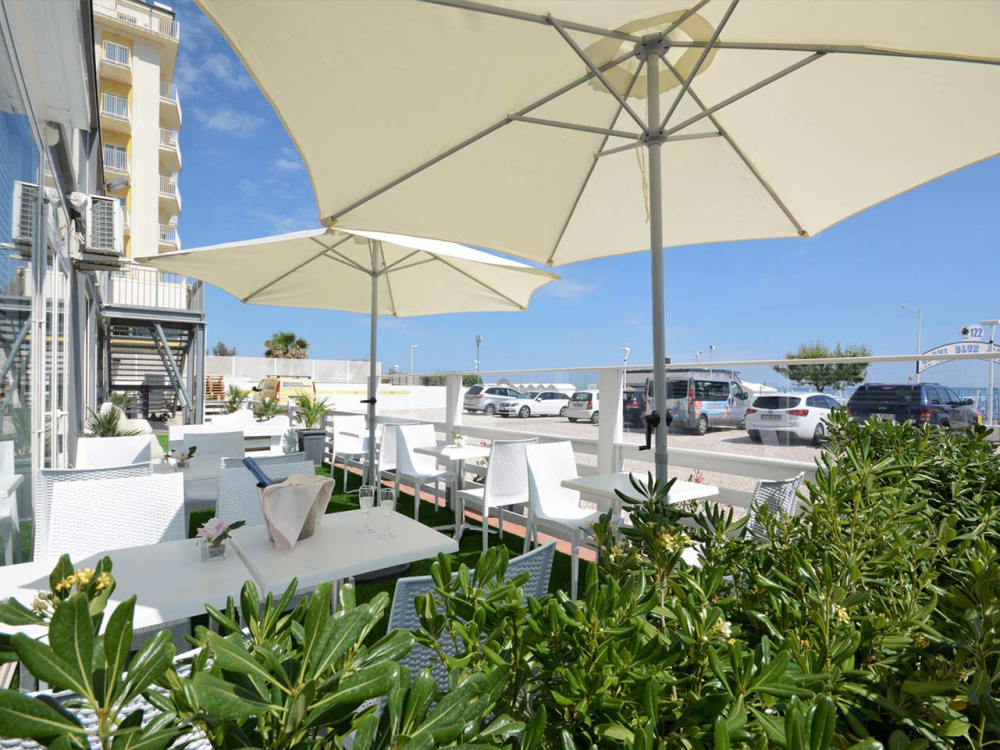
[239, 499]
[49, 478]
[266, 460]
[7, 458]
[344, 443]
[548, 465]
[103, 514]
[507, 473]
[781, 498]
[403, 615]
[387, 446]
[240, 416]
[408, 438]
[179, 433]
[104, 452]
[212, 448]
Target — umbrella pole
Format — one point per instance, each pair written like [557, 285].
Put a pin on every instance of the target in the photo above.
[654, 139]
[371, 470]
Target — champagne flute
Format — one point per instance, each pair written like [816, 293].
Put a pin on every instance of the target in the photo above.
[387, 504]
[366, 497]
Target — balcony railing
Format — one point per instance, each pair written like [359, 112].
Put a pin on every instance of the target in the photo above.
[168, 139]
[141, 15]
[118, 54]
[167, 186]
[115, 158]
[168, 90]
[169, 235]
[114, 106]
[136, 285]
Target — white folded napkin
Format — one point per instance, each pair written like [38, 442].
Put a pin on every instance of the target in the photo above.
[294, 507]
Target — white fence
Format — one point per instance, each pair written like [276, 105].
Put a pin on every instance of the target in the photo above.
[253, 369]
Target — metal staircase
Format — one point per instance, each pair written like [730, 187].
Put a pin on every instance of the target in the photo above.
[147, 362]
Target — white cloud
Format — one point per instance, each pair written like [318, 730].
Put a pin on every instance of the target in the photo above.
[227, 71]
[567, 289]
[230, 121]
[282, 223]
[282, 164]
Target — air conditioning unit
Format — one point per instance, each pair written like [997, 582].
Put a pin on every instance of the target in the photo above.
[105, 226]
[23, 212]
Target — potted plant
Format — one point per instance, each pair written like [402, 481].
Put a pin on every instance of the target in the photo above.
[235, 398]
[212, 536]
[268, 408]
[312, 432]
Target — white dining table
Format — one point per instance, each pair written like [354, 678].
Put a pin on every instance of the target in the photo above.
[606, 487]
[336, 551]
[169, 579]
[458, 455]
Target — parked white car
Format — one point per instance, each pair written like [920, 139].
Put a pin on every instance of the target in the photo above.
[584, 405]
[802, 415]
[536, 404]
[486, 398]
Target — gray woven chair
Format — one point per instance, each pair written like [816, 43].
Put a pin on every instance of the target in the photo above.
[47, 478]
[779, 496]
[506, 484]
[265, 460]
[403, 615]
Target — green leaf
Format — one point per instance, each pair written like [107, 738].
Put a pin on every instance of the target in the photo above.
[33, 719]
[344, 633]
[504, 726]
[12, 612]
[421, 697]
[452, 707]
[225, 701]
[45, 664]
[233, 656]
[930, 687]
[367, 683]
[615, 731]
[533, 733]
[824, 721]
[721, 734]
[63, 569]
[71, 636]
[117, 646]
[149, 664]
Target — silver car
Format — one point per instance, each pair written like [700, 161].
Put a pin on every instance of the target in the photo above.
[486, 398]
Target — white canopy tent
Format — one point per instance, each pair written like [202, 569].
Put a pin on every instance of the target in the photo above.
[361, 271]
[615, 126]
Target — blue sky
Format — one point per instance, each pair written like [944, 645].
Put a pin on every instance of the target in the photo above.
[934, 247]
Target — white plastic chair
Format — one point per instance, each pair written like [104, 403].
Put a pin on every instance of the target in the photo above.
[506, 484]
[350, 443]
[387, 455]
[103, 452]
[201, 475]
[48, 479]
[102, 514]
[10, 525]
[417, 468]
[780, 497]
[552, 506]
[239, 498]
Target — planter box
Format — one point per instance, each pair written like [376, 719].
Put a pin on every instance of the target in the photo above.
[312, 443]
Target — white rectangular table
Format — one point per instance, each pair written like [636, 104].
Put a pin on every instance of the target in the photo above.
[170, 582]
[336, 551]
[604, 486]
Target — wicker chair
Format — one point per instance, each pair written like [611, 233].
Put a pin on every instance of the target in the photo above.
[50, 478]
[239, 498]
[105, 452]
[417, 468]
[780, 497]
[102, 514]
[553, 506]
[403, 615]
[387, 457]
[506, 483]
[201, 478]
[350, 443]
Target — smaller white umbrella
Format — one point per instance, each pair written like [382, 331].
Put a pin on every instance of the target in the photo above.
[360, 271]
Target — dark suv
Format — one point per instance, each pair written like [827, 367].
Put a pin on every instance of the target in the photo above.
[633, 407]
[927, 403]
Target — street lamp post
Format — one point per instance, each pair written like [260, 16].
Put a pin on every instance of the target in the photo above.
[479, 341]
[711, 348]
[920, 314]
[989, 398]
[627, 350]
[412, 347]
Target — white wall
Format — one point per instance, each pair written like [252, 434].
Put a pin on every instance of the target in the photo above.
[145, 177]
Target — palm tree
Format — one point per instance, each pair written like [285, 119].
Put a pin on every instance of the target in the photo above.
[285, 345]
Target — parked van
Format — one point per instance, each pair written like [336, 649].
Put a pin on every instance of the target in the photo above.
[284, 387]
[700, 400]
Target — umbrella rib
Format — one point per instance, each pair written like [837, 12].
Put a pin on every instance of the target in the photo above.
[842, 49]
[478, 136]
[697, 66]
[396, 267]
[746, 92]
[481, 283]
[535, 18]
[671, 139]
[388, 267]
[385, 272]
[687, 14]
[576, 126]
[292, 270]
[341, 258]
[744, 158]
[596, 71]
[593, 166]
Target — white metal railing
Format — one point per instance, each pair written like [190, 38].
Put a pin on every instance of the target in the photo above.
[114, 105]
[140, 286]
[168, 139]
[169, 234]
[168, 90]
[167, 185]
[141, 15]
[118, 54]
[125, 217]
[115, 158]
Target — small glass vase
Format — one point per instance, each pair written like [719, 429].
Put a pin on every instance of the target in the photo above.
[213, 552]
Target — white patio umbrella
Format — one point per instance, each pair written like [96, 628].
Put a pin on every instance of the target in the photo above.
[360, 271]
[614, 126]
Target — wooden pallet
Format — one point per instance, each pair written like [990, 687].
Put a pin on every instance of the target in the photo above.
[215, 387]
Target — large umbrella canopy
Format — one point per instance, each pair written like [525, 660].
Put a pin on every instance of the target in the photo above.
[616, 126]
[361, 271]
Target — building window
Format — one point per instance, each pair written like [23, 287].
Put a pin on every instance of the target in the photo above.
[115, 157]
